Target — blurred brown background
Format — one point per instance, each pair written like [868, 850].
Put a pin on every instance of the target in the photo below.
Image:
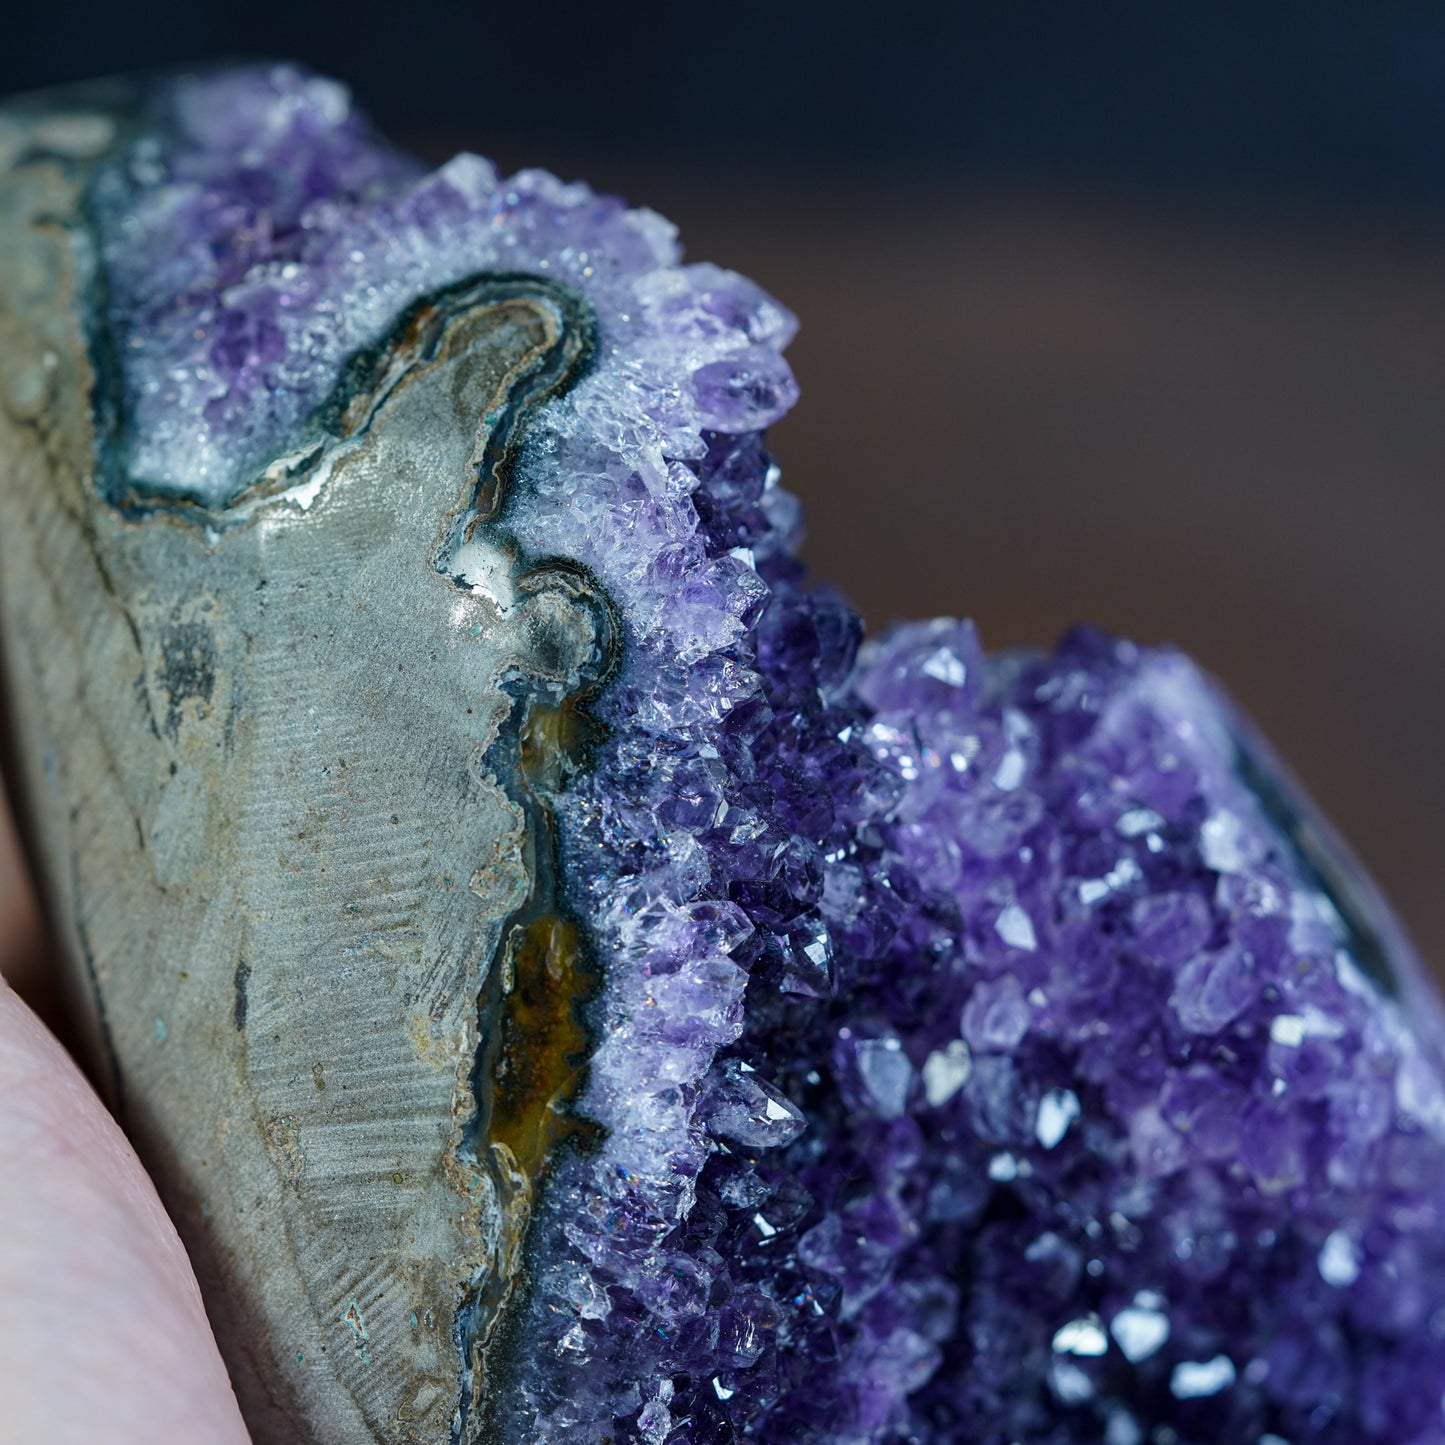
[1226, 436]
[1115, 313]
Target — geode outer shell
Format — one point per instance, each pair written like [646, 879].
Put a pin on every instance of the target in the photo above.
[259, 744]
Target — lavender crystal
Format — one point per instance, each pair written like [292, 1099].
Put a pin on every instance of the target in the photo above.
[988, 1049]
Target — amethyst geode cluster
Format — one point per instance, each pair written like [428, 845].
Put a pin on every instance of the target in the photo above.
[986, 1049]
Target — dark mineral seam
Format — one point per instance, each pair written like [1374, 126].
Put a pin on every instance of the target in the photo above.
[242, 978]
[1320, 856]
[543, 742]
[554, 741]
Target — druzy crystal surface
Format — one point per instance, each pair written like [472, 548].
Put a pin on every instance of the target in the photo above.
[986, 1049]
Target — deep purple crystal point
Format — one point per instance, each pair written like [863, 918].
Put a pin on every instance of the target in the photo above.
[989, 1049]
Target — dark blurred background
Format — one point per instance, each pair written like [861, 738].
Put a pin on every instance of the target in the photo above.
[1130, 312]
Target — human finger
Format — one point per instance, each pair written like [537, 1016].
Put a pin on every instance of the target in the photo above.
[102, 1332]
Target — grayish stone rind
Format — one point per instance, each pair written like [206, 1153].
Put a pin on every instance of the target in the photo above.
[258, 750]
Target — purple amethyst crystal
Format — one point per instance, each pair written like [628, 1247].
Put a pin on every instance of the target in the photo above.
[987, 1049]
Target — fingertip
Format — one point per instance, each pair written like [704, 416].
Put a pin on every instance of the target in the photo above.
[102, 1330]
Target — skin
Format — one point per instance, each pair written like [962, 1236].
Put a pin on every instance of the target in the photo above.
[102, 1331]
